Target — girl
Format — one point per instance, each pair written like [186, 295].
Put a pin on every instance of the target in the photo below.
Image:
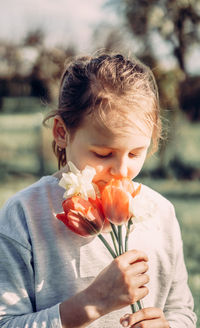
[108, 118]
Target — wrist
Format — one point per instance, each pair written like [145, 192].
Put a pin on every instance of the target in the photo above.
[79, 311]
[90, 304]
[96, 302]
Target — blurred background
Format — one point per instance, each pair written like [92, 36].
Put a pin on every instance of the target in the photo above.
[36, 37]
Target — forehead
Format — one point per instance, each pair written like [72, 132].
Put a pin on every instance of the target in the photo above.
[114, 131]
[119, 121]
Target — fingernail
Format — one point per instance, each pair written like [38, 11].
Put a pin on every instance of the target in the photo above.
[124, 323]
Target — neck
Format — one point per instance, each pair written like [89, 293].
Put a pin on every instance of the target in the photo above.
[59, 173]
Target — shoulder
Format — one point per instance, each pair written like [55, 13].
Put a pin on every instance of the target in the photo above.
[29, 194]
[159, 208]
[34, 191]
[16, 211]
[153, 197]
[161, 218]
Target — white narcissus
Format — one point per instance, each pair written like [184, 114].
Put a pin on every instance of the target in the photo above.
[78, 182]
[144, 208]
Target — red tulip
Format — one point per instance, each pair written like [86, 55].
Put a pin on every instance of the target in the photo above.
[106, 226]
[117, 200]
[84, 217]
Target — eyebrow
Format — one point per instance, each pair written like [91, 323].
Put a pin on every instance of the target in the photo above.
[107, 147]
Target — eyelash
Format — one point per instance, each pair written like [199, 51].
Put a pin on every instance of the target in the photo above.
[102, 156]
[108, 155]
[134, 155]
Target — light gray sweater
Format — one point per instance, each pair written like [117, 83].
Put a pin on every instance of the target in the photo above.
[43, 263]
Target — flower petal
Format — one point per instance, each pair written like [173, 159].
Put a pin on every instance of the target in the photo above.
[81, 216]
[79, 183]
[115, 204]
[89, 172]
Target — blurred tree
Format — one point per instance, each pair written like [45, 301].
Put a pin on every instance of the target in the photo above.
[47, 70]
[176, 26]
[110, 37]
[30, 68]
[190, 97]
[176, 22]
[34, 38]
[163, 33]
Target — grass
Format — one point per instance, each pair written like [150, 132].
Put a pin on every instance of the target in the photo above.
[25, 145]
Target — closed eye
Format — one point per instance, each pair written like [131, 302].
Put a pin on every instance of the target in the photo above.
[131, 155]
[102, 155]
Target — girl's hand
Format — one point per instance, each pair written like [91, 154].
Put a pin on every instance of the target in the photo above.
[121, 283]
[145, 318]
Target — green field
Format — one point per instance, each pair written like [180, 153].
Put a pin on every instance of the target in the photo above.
[26, 154]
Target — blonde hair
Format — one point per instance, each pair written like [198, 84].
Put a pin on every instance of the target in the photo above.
[94, 84]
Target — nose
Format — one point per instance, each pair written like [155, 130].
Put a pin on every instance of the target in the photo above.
[119, 169]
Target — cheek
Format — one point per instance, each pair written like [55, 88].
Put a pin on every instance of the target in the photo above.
[82, 158]
[76, 158]
[136, 167]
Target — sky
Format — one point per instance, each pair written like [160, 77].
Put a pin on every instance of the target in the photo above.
[68, 22]
[63, 21]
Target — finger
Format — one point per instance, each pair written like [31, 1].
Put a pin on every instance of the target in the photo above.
[138, 268]
[141, 315]
[131, 256]
[140, 293]
[140, 280]
[155, 323]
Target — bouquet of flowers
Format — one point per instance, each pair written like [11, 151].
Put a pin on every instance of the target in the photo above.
[87, 211]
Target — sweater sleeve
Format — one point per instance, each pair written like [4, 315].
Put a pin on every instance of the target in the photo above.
[17, 301]
[17, 278]
[179, 305]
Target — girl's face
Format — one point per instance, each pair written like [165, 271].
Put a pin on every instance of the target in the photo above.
[113, 155]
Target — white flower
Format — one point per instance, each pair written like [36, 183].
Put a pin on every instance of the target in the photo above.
[79, 182]
[143, 208]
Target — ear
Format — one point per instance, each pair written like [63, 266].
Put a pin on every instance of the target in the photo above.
[60, 132]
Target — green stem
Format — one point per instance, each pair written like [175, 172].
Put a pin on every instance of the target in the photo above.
[127, 234]
[120, 239]
[107, 246]
[134, 308]
[122, 246]
[114, 242]
[114, 229]
[139, 304]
